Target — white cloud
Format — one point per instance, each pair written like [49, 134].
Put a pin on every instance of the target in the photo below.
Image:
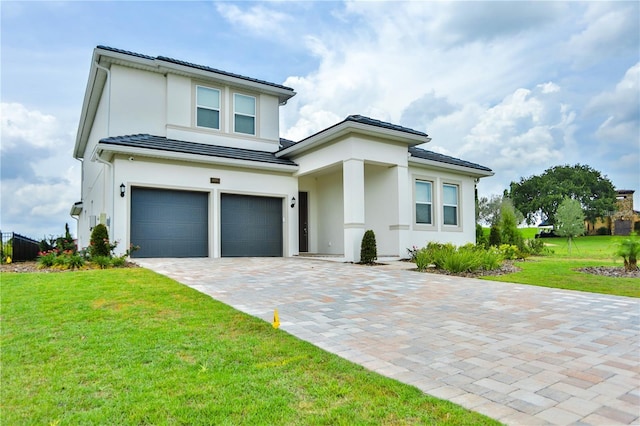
[258, 19]
[40, 178]
[609, 30]
[620, 109]
[28, 129]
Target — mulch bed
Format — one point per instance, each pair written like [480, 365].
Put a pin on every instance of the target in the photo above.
[21, 267]
[610, 271]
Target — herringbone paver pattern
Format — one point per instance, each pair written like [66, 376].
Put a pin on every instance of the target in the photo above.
[520, 354]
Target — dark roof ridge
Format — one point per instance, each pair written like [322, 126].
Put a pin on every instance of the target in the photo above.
[162, 143]
[192, 65]
[441, 158]
[379, 123]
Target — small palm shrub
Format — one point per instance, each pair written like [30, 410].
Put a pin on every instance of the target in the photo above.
[368, 249]
[629, 250]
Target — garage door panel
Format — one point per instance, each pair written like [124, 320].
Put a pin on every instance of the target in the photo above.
[250, 226]
[168, 223]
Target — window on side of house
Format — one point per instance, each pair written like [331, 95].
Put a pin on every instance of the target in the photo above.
[424, 202]
[207, 107]
[450, 209]
[244, 114]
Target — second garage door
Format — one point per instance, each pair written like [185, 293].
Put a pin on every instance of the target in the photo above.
[250, 226]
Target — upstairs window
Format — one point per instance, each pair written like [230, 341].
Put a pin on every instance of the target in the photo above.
[207, 107]
[450, 204]
[424, 202]
[244, 114]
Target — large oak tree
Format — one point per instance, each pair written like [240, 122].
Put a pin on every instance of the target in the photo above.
[542, 194]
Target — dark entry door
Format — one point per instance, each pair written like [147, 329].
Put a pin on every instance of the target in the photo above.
[250, 226]
[303, 221]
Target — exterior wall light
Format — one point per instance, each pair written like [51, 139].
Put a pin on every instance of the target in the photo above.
[122, 188]
[293, 202]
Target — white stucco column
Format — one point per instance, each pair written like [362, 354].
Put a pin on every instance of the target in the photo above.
[404, 209]
[353, 190]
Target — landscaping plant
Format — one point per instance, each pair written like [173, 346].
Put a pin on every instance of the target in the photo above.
[569, 220]
[629, 249]
[368, 249]
[99, 242]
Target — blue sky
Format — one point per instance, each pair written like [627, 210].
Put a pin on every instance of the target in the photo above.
[515, 86]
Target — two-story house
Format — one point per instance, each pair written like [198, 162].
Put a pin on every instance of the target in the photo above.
[185, 160]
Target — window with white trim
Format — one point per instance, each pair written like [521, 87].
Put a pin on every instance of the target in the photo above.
[207, 107]
[450, 204]
[244, 114]
[424, 202]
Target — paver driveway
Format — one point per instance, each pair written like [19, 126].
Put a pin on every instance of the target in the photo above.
[520, 354]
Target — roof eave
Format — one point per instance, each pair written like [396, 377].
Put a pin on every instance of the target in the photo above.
[346, 127]
[479, 173]
[181, 156]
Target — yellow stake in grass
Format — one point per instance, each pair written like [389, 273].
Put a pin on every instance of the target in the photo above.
[276, 319]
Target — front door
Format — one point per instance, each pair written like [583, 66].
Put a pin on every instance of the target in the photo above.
[303, 222]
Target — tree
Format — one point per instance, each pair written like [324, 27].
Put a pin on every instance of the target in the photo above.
[543, 194]
[489, 209]
[509, 232]
[569, 220]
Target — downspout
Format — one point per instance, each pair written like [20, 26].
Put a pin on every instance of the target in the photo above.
[96, 155]
[106, 70]
[77, 218]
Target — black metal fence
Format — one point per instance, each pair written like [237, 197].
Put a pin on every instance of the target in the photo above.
[18, 247]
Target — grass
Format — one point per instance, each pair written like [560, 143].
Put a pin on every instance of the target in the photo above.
[128, 346]
[559, 270]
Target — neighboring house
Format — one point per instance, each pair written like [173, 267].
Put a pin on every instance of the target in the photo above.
[185, 160]
[622, 221]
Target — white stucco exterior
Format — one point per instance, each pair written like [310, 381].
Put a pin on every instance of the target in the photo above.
[358, 175]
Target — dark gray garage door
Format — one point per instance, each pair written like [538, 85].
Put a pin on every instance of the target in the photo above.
[250, 226]
[167, 223]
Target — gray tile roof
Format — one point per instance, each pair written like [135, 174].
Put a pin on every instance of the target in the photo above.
[383, 124]
[161, 143]
[441, 158]
[190, 65]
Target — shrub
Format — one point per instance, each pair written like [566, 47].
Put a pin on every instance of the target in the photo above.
[368, 250]
[118, 262]
[510, 252]
[462, 261]
[481, 239]
[423, 260]
[47, 259]
[413, 252]
[99, 243]
[509, 232]
[495, 238]
[629, 249]
[490, 259]
[603, 230]
[75, 261]
[102, 261]
[536, 247]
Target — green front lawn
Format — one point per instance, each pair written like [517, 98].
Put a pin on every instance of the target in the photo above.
[559, 270]
[561, 273]
[128, 346]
